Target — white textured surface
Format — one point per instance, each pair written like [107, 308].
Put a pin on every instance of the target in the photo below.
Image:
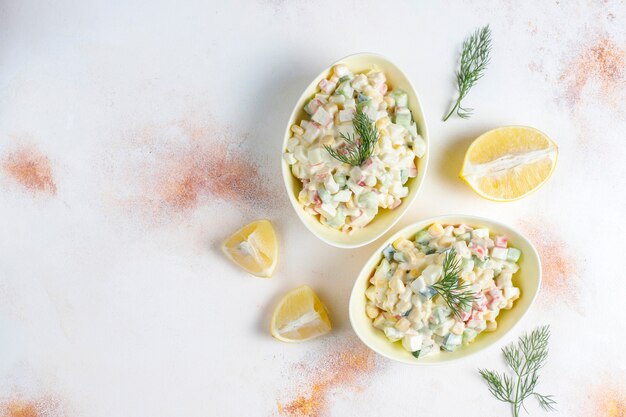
[123, 309]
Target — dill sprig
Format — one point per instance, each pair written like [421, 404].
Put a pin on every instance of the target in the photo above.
[459, 297]
[358, 149]
[525, 358]
[474, 60]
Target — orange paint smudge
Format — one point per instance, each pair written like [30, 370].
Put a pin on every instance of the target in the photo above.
[608, 400]
[558, 266]
[601, 64]
[342, 366]
[31, 169]
[182, 165]
[38, 407]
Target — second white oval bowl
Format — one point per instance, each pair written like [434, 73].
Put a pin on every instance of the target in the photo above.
[528, 279]
[385, 219]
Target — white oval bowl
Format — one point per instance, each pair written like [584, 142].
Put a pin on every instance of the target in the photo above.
[385, 219]
[528, 279]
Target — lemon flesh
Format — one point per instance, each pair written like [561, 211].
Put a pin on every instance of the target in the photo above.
[300, 316]
[254, 248]
[508, 163]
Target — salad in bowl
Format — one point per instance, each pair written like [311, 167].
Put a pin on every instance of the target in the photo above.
[355, 151]
[443, 288]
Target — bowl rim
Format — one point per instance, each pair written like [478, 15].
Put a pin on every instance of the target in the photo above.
[410, 199]
[466, 219]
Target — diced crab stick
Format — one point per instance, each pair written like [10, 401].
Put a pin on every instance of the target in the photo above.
[312, 106]
[322, 117]
[327, 86]
[480, 302]
[477, 250]
[494, 297]
[464, 315]
[501, 241]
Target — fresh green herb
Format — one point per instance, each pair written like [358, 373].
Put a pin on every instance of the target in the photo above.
[416, 353]
[474, 60]
[357, 149]
[525, 358]
[459, 297]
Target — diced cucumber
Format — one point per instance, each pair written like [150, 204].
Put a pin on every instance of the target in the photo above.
[362, 97]
[423, 237]
[513, 255]
[345, 89]
[468, 336]
[451, 341]
[404, 176]
[413, 130]
[400, 97]
[403, 117]
[388, 252]
[344, 78]
[324, 195]
[360, 105]
[368, 200]
[338, 220]
[428, 293]
[340, 179]
[398, 257]
[478, 262]
[440, 314]
[467, 236]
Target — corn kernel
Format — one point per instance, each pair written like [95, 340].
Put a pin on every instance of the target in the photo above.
[382, 123]
[435, 229]
[457, 328]
[402, 243]
[327, 140]
[372, 311]
[491, 326]
[297, 130]
[390, 101]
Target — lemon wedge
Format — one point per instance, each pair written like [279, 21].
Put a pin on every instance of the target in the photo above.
[508, 163]
[254, 248]
[300, 316]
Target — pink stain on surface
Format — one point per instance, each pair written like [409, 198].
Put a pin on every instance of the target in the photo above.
[180, 166]
[559, 267]
[31, 169]
[599, 65]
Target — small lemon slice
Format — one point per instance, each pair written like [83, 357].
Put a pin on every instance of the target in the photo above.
[508, 163]
[254, 248]
[300, 316]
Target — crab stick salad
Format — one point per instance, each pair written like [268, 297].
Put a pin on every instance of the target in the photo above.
[406, 298]
[348, 196]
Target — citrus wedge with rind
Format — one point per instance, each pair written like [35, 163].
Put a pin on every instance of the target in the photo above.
[300, 316]
[254, 248]
[508, 163]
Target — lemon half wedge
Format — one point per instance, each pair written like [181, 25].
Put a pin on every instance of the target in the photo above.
[254, 248]
[300, 316]
[508, 163]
